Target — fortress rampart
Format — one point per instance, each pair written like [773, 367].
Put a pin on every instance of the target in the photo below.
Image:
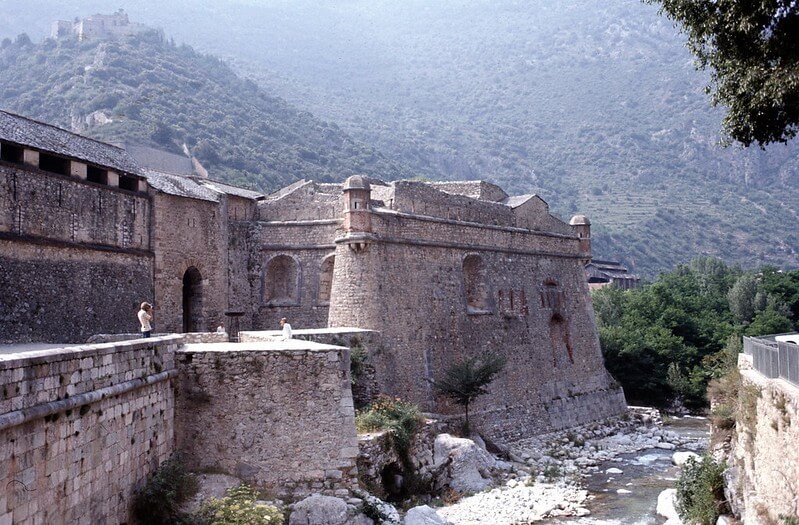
[81, 428]
[277, 415]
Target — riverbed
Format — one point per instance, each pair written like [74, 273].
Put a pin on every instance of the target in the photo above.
[606, 475]
[630, 497]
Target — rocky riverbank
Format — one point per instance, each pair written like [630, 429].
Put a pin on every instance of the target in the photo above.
[541, 478]
[548, 472]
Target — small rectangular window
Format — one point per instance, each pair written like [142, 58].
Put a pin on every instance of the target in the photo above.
[11, 153]
[98, 175]
[54, 164]
[128, 183]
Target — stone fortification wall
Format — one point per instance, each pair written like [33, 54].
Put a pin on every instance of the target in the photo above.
[424, 199]
[527, 298]
[66, 294]
[190, 234]
[363, 344]
[763, 480]
[302, 201]
[81, 428]
[277, 415]
[289, 273]
[74, 257]
[39, 205]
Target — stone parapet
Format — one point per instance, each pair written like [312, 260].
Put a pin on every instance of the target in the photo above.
[277, 415]
[81, 427]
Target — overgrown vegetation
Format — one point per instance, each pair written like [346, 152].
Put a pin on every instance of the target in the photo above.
[239, 506]
[159, 501]
[700, 491]
[400, 418]
[668, 339]
[467, 379]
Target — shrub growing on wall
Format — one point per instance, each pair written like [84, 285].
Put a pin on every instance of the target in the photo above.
[700, 491]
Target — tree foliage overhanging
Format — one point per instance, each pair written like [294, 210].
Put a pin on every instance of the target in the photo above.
[669, 338]
[752, 51]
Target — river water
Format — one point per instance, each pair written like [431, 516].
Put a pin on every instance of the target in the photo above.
[630, 498]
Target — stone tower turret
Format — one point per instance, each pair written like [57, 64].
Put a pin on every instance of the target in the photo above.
[582, 227]
[357, 267]
[357, 212]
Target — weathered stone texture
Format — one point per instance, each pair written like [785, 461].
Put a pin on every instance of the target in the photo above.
[764, 458]
[308, 245]
[280, 419]
[189, 233]
[71, 455]
[61, 208]
[409, 284]
[67, 294]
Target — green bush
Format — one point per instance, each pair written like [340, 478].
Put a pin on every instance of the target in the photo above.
[700, 491]
[238, 507]
[158, 502]
[400, 418]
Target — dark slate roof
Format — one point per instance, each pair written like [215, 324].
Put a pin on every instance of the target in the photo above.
[230, 189]
[41, 136]
[159, 160]
[610, 269]
[179, 185]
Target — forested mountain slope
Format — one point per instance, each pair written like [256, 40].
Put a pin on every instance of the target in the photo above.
[594, 105]
[147, 90]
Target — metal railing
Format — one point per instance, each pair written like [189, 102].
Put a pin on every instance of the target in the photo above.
[774, 359]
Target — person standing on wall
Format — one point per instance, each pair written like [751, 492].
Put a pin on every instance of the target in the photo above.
[286, 329]
[145, 316]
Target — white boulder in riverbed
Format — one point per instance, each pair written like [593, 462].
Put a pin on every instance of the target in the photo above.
[614, 470]
[681, 458]
[424, 515]
[467, 467]
[320, 510]
[666, 506]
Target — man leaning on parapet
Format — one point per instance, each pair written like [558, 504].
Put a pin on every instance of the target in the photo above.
[286, 329]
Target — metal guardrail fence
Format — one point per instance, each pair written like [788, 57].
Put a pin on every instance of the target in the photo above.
[774, 359]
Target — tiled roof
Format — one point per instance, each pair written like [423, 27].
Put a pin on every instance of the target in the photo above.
[38, 135]
[178, 185]
[229, 189]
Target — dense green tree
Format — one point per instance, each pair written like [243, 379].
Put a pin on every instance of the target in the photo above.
[742, 297]
[667, 339]
[752, 51]
[769, 321]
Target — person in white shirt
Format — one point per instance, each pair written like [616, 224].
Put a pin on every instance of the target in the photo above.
[145, 316]
[220, 329]
[286, 329]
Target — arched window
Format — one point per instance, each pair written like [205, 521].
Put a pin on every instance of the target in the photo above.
[474, 282]
[551, 296]
[326, 279]
[281, 283]
[559, 335]
[192, 300]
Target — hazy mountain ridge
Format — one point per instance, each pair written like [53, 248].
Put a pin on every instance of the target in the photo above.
[596, 107]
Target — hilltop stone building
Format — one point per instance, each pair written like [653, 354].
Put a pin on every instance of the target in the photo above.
[97, 27]
[439, 270]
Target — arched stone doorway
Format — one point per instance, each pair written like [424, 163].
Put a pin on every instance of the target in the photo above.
[192, 300]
